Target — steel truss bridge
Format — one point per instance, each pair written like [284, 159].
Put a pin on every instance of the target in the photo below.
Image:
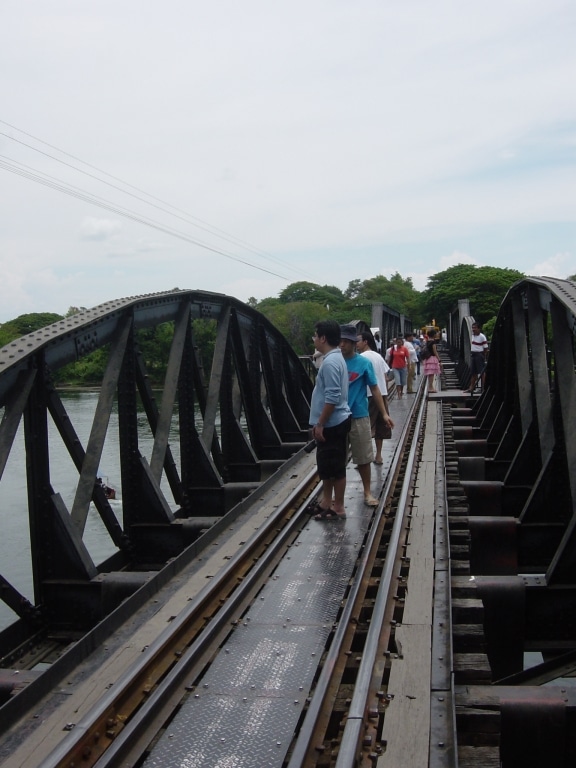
[243, 424]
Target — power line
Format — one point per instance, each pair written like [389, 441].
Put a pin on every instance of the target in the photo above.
[57, 184]
[188, 218]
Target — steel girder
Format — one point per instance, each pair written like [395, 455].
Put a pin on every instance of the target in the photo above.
[236, 425]
[518, 469]
[390, 322]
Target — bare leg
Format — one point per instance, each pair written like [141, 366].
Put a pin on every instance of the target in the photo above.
[339, 490]
[333, 495]
[431, 387]
[473, 380]
[378, 457]
[364, 470]
[327, 489]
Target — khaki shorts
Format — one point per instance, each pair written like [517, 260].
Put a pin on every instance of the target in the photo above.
[361, 441]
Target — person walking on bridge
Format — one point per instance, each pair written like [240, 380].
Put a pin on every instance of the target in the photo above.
[432, 364]
[365, 345]
[330, 420]
[397, 358]
[360, 375]
[412, 360]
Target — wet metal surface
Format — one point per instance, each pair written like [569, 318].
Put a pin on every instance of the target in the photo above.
[245, 710]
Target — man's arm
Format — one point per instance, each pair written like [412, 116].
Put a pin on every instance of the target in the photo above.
[379, 400]
[318, 428]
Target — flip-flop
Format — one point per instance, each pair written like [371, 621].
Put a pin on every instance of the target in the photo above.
[378, 463]
[329, 514]
[371, 501]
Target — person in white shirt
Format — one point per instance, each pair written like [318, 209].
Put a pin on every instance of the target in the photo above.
[412, 360]
[478, 356]
[365, 345]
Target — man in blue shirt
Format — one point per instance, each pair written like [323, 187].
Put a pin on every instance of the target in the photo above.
[361, 375]
[330, 420]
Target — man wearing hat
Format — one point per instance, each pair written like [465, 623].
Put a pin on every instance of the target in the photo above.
[361, 375]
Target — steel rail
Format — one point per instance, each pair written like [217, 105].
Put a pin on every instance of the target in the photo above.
[83, 740]
[303, 743]
[351, 736]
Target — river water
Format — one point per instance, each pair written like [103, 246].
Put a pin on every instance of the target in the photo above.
[15, 561]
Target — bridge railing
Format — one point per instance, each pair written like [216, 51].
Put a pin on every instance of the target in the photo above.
[524, 430]
[237, 424]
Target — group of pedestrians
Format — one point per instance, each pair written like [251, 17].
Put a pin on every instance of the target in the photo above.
[349, 406]
[405, 356]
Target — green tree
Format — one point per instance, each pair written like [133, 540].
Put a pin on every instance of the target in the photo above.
[484, 287]
[23, 324]
[74, 311]
[396, 292]
[572, 277]
[319, 294]
[204, 331]
[295, 321]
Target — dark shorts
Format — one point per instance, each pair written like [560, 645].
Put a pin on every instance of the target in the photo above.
[477, 362]
[380, 430]
[332, 455]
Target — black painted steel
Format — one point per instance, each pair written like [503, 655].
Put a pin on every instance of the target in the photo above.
[390, 322]
[235, 426]
[517, 460]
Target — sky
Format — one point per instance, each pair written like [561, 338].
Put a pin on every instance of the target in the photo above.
[238, 147]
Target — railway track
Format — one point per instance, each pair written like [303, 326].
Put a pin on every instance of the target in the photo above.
[344, 713]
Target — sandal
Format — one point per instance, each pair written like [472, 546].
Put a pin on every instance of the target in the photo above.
[370, 501]
[329, 514]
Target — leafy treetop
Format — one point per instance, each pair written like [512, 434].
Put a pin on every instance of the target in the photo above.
[484, 287]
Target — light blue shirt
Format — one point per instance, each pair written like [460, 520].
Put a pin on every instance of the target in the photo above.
[331, 387]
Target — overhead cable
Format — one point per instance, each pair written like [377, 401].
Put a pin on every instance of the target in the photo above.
[57, 184]
[188, 218]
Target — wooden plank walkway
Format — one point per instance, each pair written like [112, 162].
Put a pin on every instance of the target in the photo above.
[407, 721]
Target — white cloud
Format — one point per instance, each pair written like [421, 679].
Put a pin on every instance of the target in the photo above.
[373, 138]
[560, 265]
[99, 229]
[456, 258]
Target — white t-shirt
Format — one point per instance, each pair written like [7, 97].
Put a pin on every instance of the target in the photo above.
[478, 343]
[410, 347]
[381, 368]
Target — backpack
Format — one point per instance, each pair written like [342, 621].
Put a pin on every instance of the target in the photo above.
[426, 351]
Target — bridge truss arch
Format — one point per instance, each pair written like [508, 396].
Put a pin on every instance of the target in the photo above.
[236, 424]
